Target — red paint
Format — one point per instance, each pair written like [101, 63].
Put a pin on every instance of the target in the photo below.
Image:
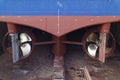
[59, 48]
[11, 28]
[102, 47]
[60, 27]
[103, 35]
[105, 28]
[66, 23]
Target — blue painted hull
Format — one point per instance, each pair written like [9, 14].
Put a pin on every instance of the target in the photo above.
[60, 7]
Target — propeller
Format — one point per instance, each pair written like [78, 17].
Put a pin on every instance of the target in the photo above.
[25, 46]
[91, 40]
[93, 44]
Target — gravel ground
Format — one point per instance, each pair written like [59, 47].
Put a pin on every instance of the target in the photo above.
[75, 59]
[39, 66]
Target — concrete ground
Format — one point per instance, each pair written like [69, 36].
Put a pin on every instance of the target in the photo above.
[39, 66]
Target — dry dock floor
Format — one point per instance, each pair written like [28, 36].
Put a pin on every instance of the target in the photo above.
[39, 66]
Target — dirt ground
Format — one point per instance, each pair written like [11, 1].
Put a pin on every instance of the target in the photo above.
[39, 66]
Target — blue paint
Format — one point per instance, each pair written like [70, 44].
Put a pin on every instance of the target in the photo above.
[66, 7]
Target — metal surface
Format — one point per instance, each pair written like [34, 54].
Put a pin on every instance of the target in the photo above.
[11, 28]
[15, 47]
[103, 37]
[66, 23]
[72, 42]
[14, 42]
[59, 18]
[92, 49]
[59, 48]
[64, 7]
[25, 44]
[102, 47]
[44, 43]
[105, 28]
[99, 44]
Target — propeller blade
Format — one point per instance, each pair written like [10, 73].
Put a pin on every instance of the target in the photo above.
[92, 50]
[26, 49]
[24, 37]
